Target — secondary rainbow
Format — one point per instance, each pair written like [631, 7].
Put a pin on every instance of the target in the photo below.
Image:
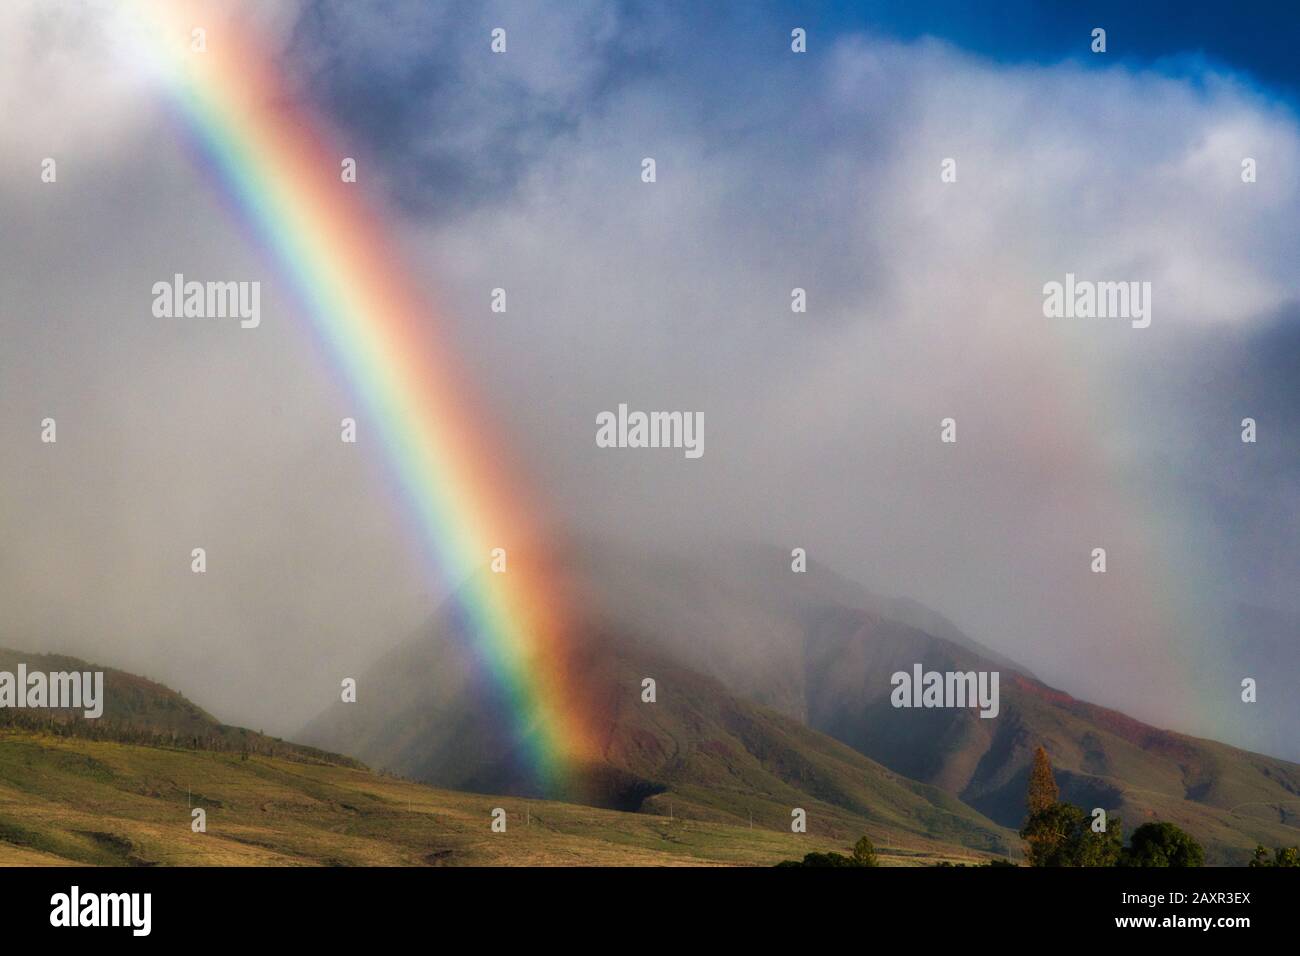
[278, 172]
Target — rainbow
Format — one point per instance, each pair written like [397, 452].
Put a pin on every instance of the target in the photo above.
[280, 175]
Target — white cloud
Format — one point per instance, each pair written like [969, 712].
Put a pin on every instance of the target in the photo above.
[924, 302]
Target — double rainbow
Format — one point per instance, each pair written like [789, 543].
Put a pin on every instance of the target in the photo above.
[280, 175]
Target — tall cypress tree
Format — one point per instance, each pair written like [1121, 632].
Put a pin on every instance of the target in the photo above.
[1042, 785]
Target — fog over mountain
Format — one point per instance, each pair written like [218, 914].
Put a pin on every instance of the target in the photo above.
[822, 429]
[761, 678]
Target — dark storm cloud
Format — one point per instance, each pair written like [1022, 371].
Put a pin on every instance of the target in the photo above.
[415, 88]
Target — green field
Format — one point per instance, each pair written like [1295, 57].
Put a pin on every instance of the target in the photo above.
[77, 801]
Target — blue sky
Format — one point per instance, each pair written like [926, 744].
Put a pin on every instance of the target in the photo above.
[1258, 38]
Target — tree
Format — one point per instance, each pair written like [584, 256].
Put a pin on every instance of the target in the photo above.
[1288, 856]
[1043, 791]
[1061, 834]
[1101, 849]
[864, 852]
[1162, 844]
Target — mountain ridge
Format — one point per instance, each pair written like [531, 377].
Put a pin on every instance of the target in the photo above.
[819, 650]
[138, 709]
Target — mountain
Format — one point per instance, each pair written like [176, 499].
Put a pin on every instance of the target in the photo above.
[747, 643]
[1230, 799]
[698, 750]
[120, 790]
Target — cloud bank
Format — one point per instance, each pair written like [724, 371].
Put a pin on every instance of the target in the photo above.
[775, 171]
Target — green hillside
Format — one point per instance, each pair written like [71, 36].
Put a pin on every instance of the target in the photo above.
[78, 801]
[730, 759]
[138, 710]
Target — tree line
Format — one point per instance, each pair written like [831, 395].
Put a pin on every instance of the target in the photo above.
[218, 739]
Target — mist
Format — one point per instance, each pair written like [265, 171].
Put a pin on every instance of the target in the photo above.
[822, 428]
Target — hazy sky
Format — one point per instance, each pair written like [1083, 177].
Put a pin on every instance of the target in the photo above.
[775, 170]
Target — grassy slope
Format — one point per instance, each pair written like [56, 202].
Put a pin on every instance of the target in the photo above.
[1228, 798]
[729, 758]
[135, 706]
[68, 800]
